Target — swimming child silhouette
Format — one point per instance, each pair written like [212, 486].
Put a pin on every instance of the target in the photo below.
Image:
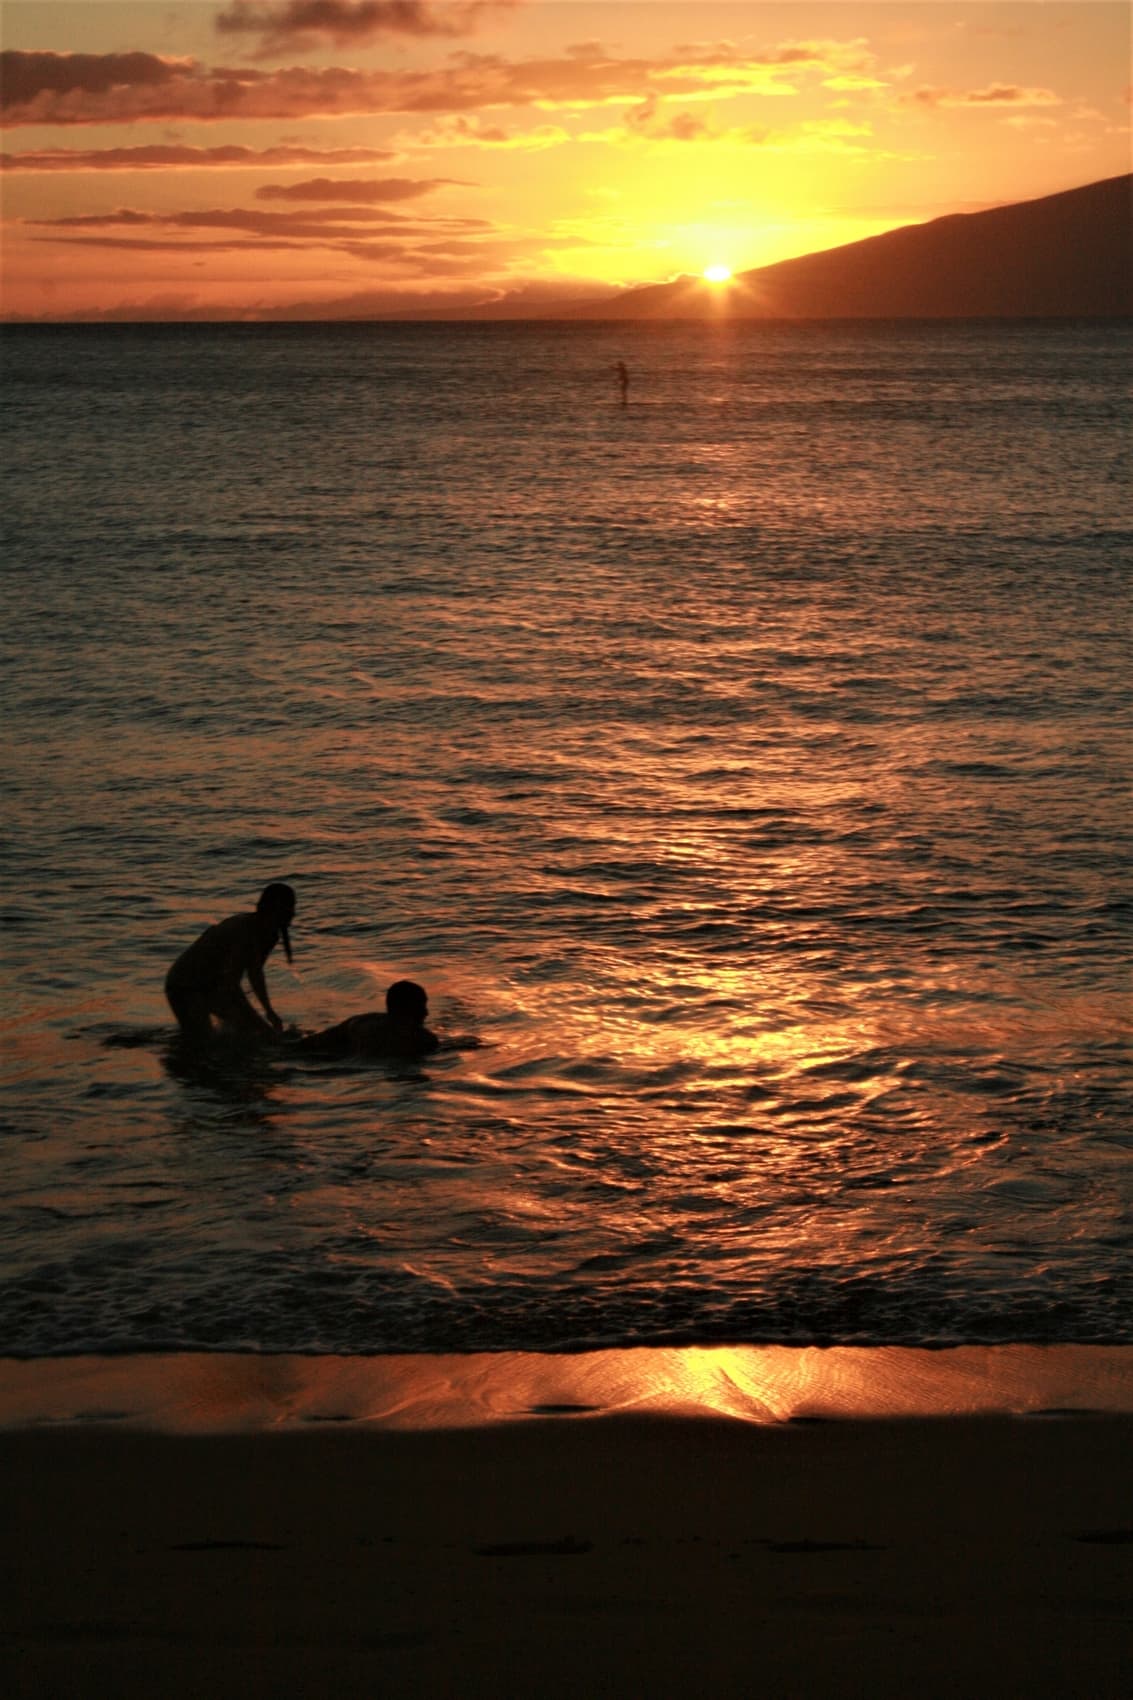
[400, 1032]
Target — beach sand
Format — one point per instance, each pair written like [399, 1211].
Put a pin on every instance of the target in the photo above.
[726, 1522]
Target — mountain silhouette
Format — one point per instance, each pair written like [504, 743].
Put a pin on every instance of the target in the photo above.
[1068, 255]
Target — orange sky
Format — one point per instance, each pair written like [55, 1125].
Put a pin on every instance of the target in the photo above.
[350, 157]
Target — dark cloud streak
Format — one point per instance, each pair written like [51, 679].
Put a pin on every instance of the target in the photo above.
[288, 26]
[348, 189]
[51, 88]
[172, 157]
[29, 74]
[997, 94]
[309, 223]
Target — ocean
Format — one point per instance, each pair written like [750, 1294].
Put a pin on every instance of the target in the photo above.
[744, 771]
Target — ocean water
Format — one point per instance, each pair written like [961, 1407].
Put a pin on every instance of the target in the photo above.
[744, 771]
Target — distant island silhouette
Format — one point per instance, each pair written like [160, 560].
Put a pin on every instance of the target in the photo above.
[1064, 256]
[1068, 255]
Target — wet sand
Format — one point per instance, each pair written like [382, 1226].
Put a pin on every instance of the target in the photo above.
[635, 1523]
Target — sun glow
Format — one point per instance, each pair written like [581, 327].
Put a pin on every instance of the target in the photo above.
[717, 274]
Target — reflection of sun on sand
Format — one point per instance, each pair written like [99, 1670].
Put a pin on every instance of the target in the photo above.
[526, 1524]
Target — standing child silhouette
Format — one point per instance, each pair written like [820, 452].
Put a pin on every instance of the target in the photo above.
[206, 979]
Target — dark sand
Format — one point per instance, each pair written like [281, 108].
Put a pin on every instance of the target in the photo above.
[322, 1539]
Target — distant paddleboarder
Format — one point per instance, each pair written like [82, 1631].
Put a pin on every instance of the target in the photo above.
[623, 381]
[205, 981]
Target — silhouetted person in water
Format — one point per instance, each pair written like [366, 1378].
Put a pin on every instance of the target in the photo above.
[623, 381]
[205, 981]
[400, 1032]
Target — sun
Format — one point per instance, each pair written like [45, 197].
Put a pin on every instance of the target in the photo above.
[717, 274]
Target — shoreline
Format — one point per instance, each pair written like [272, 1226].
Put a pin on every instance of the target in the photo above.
[701, 1521]
[233, 1392]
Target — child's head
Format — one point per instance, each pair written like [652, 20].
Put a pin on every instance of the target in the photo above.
[277, 902]
[408, 1002]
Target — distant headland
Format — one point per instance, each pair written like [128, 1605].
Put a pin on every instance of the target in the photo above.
[1068, 255]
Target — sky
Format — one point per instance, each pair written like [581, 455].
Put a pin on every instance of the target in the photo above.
[254, 159]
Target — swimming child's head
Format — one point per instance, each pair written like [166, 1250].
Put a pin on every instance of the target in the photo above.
[277, 902]
[407, 1001]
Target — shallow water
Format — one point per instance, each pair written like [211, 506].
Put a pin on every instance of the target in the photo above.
[745, 773]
